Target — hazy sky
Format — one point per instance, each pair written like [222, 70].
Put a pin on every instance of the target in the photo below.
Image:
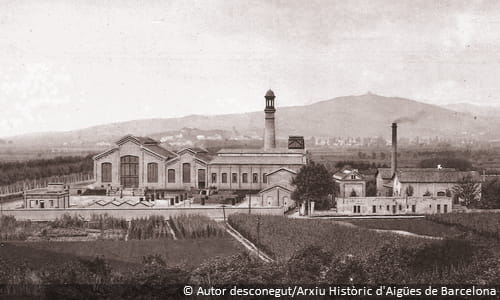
[72, 64]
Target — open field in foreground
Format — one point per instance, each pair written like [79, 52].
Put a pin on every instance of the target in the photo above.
[483, 223]
[417, 226]
[374, 257]
[120, 254]
[281, 237]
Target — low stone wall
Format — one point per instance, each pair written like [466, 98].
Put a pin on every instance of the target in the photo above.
[393, 205]
[86, 213]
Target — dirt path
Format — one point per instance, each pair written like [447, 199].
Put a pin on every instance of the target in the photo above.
[400, 232]
[128, 230]
[172, 232]
[407, 233]
[247, 244]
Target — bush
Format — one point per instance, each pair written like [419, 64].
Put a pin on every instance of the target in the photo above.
[11, 229]
[153, 227]
[68, 221]
[105, 222]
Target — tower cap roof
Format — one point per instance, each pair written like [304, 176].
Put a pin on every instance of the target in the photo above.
[270, 93]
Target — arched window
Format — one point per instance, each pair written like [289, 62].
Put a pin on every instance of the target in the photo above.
[244, 177]
[171, 176]
[186, 172]
[129, 171]
[152, 172]
[224, 177]
[255, 178]
[106, 172]
[285, 201]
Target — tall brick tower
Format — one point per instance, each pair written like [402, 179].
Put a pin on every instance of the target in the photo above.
[270, 129]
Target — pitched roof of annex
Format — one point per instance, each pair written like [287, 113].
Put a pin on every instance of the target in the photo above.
[436, 176]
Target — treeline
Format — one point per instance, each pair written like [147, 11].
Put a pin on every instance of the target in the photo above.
[11, 172]
[446, 162]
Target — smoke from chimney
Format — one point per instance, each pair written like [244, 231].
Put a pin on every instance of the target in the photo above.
[394, 152]
[410, 119]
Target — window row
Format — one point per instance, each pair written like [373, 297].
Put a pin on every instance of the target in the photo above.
[129, 170]
[234, 178]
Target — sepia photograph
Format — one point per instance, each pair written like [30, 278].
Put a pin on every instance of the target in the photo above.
[249, 149]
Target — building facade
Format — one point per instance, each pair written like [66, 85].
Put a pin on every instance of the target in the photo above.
[350, 183]
[56, 195]
[141, 163]
[393, 205]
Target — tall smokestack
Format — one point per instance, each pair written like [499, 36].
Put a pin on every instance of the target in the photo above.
[270, 130]
[394, 152]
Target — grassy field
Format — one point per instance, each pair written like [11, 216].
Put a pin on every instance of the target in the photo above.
[122, 255]
[417, 226]
[483, 223]
[281, 237]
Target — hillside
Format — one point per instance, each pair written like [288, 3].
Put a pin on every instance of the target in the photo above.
[476, 110]
[364, 115]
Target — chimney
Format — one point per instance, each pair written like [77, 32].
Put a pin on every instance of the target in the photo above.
[269, 128]
[394, 152]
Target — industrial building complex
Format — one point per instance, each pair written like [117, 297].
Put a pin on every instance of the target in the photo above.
[139, 172]
[140, 164]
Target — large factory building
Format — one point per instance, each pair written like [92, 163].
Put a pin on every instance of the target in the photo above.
[140, 163]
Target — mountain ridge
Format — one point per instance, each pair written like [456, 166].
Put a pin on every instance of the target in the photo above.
[359, 115]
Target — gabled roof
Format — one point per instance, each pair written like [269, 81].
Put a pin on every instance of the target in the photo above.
[146, 143]
[274, 187]
[436, 176]
[282, 169]
[109, 151]
[386, 173]
[193, 150]
[159, 150]
[140, 140]
[200, 153]
[345, 173]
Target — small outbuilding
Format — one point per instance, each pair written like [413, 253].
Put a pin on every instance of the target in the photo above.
[55, 195]
[277, 195]
[351, 183]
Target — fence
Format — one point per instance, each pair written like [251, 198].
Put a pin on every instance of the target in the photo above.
[20, 186]
[128, 214]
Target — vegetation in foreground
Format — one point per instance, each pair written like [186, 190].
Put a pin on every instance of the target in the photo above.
[281, 237]
[417, 226]
[99, 227]
[308, 252]
[443, 262]
[483, 223]
[371, 257]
